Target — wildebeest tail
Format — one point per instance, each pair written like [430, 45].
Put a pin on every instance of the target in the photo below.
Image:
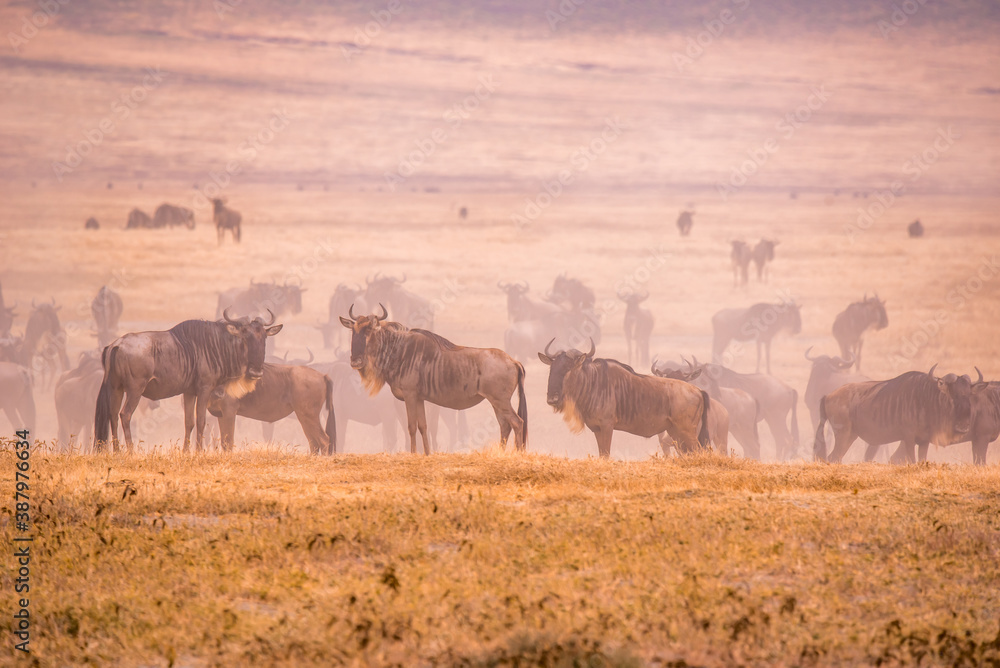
[522, 405]
[703, 434]
[331, 419]
[795, 420]
[102, 414]
[819, 445]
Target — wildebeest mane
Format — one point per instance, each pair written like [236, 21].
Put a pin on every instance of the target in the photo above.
[913, 396]
[437, 338]
[205, 340]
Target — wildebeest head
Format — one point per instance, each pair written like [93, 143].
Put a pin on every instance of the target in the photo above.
[667, 370]
[362, 328]
[633, 298]
[218, 205]
[254, 335]
[559, 365]
[381, 288]
[876, 307]
[956, 391]
[513, 289]
[828, 363]
[768, 246]
[571, 291]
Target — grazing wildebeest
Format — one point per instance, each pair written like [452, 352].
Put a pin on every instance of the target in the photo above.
[915, 229]
[605, 395]
[684, 222]
[168, 215]
[742, 409]
[740, 257]
[261, 297]
[850, 325]
[91, 224]
[281, 390]
[763, 253]
[16, 399]
[572, 294]
[422, 366]
[138, 219]
[106, 309]
[44, 338]
[521, 307]
[408, 308]
[6, 317]
[225, 219]
[915, 408]
[776, 401]
[341, 300]
[760, 323]
[638, 326]
[192, 358]
[827, 374]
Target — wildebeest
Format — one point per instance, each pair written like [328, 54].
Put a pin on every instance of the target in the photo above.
[192, 359]
[16, 398]
[572, 294]
[760, 323]
[7, 315]
[915, 229]
[282, 389]
[763, 253]
[106, 309]
[521, 307]
[850, 324]
[91, 224]
[44, 339]
[260, 298]
[225, 219]
[740, 257]
[827, 374]
[638, 326]
[777, 402]
[422, 366]
[340, 301]
[742, 409]
[168, 215]
[915, 408]
[684, 222]
[138, 219]
[718, 423]
[408, 308]
[985, 422]
[605, 395]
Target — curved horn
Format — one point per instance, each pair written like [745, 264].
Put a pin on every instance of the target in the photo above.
[311, 356]
[526, 286]
[350, 312]
[385, 314]
[271, 322]
[847, 363]
[811, 359]
[980, 374]
[225, 316]
[547, 353]
[593, 349]
[502, 285]
[931, 372]
[284, 357]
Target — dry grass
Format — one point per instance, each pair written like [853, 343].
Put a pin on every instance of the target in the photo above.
[497, 559]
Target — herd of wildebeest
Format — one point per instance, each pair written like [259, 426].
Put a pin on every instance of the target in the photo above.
[225, 367]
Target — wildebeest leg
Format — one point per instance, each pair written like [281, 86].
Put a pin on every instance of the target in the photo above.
[844, 438]
[433, 414]
[603, 436]
[922, 451]
[665, 442]
[979, 446]
[422, 426]
[189, 403]
[871, 451]
[227, 431]
[267, 431]
[318, 442]
[114, 405]
[411, 423]
[131, 402]
[508, 420]
[201, 418]
[903, 454]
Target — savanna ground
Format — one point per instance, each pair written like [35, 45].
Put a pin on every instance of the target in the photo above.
[272, 556]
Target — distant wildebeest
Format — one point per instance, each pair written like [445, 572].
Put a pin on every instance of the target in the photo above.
[16, 398]
[340, 301]
[7, 316]
[521, 307]
[777, 401]
[827, 374]
[138, 219]
[44, 345]
[572, 294]
[605, 395]
[742, 409]
[684, 222]
[260, 298]
[106, 309]
[91, 224]
[422, 366]
[915, 229]
[915, 408]
[760, 323]
[225, 219]
[282, 389]
[168, 215]
[740, 256]
[192, 359]
[763, 253]
[850, 325]
[463, 213]
[408, 308]
[10, 349]
[638, 326]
